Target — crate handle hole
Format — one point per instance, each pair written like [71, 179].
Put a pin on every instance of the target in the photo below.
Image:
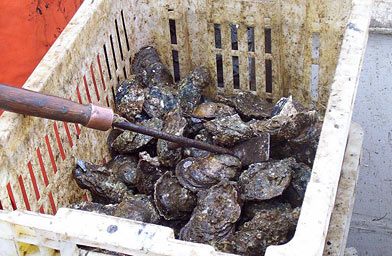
[176, 65]
[268, 76]
[218, 36]
[125, 30]
[251, 39]
[234, 36]
[173, 31]
[236, 72]
[252, 73]
[119, 40]
[219, 70]
[268, 43]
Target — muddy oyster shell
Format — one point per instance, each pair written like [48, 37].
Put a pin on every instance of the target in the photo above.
[194, 125]
[160, 100]
[215, 215]
[228, 131]
[149, 68]
[172, 200]
[129, 98]
[191, 87]
[248, 105]
[204, 136]
[174, 124]
[283, 128]
[211, 110]
[149, 170]
[114, 133]
[200, 173]
[124, 168]
[287, 107]
[268, 227]
[138, 207]
[107, 209]
[104, 187]
[303, 148]
[295, 193]
[265, 180]
[131, 142]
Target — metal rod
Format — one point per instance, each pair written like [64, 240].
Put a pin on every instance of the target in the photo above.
[181, 141]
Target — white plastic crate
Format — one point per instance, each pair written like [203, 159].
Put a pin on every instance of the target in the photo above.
[312, 50]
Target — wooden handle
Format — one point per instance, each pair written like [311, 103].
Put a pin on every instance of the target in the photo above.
[22, 101]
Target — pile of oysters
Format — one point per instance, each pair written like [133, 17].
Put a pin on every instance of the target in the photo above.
[206, 198]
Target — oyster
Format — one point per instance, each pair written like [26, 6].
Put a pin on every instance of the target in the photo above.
[130, 142]
[191, 87]
[200, 173]
[248, 105]
[114, 133]
[129, 98]
[172, 200]
[215, 215]
[176, 225]
[124, 168]
[287, 107]
[268, 227]
[174, 124]
[283, 128]
[265, 180]
[204, 136]
[229, 130]
[295, 192]
[137, 207]
[193, 127]
[303, 148]
[107, 209]
[160, 100]
[104, 187]
[148, 171]
[211, 110]
[149, 69]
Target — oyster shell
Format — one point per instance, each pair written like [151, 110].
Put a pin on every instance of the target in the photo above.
[174, 124]
[283, 128]
[215, 215]
[295, 192]
[138, 207]
[148, 171]
[200, 173]
[204, 136]
[149, 68]
[172, 200]
[114, 133]
[211, 110]
[228, 131]
[124, 168]
[107, 209]
[104, 187]
[193, 127]
[265, 180]
[268, 227]
[129, 98]
[248, 105]
[176, 225]
[130, 142]
[303, 148]
[287, 107]
[160, 100]
[191, 87]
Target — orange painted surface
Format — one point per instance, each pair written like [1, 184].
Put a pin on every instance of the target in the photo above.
[27, 30]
